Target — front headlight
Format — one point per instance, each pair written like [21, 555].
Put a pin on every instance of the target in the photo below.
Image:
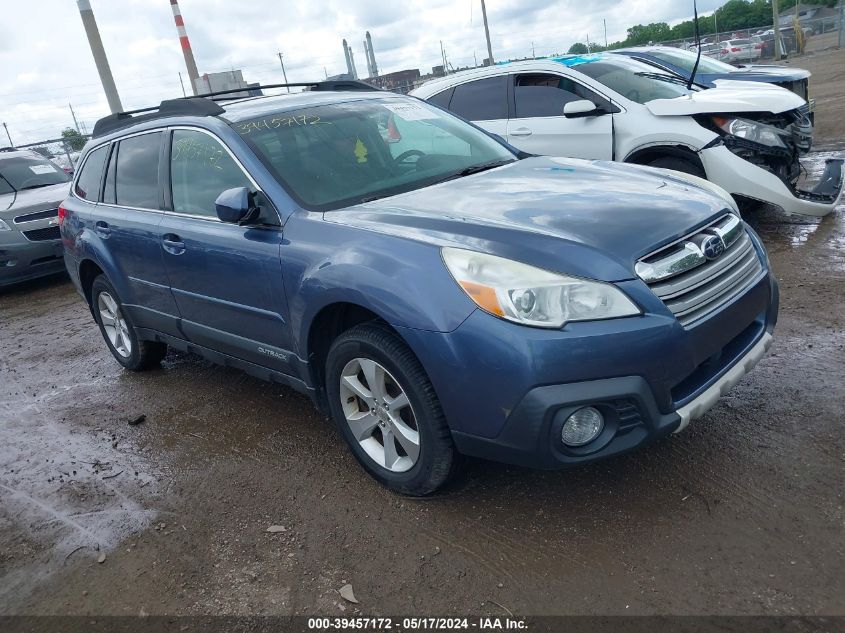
[752, 131]
[533, 296]
[4, 226]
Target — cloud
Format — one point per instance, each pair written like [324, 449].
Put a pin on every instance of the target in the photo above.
[47, 62]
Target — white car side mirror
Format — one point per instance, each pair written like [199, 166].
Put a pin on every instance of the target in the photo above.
[579, 108]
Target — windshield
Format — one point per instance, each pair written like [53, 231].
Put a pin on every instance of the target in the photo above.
[686, 60]
[19, 173]
[634, 80]
[337, 155]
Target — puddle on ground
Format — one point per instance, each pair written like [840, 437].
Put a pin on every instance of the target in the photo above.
[783, 232]
[68, 491]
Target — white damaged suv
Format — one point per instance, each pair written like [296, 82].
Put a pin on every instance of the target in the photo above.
[745, 137]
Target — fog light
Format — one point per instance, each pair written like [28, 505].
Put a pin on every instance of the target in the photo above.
[582, 427]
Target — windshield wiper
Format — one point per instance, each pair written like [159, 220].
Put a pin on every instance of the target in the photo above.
[672, 79]
[475, 169]
[43, 184]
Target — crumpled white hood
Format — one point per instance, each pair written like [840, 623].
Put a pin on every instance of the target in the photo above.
[729, 96]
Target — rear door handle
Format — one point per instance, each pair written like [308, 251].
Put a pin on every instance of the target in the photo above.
[521, 131]
[102, 228]
[173, 244]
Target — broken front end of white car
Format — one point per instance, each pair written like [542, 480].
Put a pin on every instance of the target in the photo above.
[757, 156]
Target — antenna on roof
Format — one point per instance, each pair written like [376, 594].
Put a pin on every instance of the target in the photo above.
[697, 45]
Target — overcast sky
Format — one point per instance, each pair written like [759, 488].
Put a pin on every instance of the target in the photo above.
[45, 61]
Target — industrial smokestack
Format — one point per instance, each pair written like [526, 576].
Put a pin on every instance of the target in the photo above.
[193, 74]
[367, 56]
[99, 54]
[371, 63]
[350, 61]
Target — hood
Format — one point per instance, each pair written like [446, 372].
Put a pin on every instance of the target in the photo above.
[764, 72]
[588, 218]
[729, 96]
[32, 200]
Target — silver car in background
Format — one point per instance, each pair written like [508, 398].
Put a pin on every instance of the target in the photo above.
[31, 189]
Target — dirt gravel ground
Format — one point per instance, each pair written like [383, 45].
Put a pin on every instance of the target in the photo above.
[741, 514]
[827, 87]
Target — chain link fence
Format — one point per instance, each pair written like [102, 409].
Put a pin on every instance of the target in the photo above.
[811, 36]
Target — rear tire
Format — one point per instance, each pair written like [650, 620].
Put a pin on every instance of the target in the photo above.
[407, 448]
[678, 164]
[119, 332]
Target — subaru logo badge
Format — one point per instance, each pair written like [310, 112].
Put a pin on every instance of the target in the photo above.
[713, 246]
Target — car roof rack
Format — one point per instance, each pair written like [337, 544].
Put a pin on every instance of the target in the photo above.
[206, 105]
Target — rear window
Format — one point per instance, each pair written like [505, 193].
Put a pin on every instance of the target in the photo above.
[88, 184]
[19, 173]
[137, 171]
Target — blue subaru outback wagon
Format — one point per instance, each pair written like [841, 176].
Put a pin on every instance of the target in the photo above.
[434, 290]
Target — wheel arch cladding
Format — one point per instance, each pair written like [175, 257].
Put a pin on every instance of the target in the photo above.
[89, 270]
[330, 322]
[645, 155]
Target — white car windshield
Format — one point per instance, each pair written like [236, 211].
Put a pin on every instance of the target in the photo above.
[634, 80]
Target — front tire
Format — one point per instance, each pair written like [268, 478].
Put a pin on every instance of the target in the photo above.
[678, 164]
[387, 411]
[119, 332]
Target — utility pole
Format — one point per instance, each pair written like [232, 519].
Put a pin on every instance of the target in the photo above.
[776, 18]
[605, 33]
[533, 55]
[73, 114]
[99, 54]
[284, 74]
[443, 58]
[6, 127]
[182, 83]
[487, 32]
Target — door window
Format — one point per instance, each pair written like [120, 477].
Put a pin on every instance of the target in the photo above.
[543, 95]
[441, 99]
[136, 178]
[88, 183]
[482, 100]
[108, 188]
[200, 170]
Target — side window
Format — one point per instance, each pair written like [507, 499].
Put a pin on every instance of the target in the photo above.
[482, 100]
[108, 189]
[441, 99]
[200, 170]
[539, 95]
[88, 183]
[136, 179]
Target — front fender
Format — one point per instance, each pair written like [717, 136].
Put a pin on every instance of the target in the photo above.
[402, 281]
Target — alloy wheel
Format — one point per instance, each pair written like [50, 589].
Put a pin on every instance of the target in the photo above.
[380, 415]
[115, 326]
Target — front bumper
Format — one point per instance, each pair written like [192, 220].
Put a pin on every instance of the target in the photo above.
[22, 260]
[506, 390]
[741, 178]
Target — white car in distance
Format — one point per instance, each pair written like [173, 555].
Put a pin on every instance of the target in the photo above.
[742, 136]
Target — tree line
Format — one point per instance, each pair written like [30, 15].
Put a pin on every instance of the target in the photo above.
[731, 16]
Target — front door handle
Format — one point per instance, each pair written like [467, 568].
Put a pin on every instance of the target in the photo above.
[173, 244]
[102, 228]
[521, 131]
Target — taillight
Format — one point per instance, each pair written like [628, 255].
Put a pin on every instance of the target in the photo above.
[736, 50]
[62, 214]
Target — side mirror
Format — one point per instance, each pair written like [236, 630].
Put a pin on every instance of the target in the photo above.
[235, 206]
[580, 108]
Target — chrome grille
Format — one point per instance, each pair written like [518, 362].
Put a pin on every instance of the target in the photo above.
[696, 276]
